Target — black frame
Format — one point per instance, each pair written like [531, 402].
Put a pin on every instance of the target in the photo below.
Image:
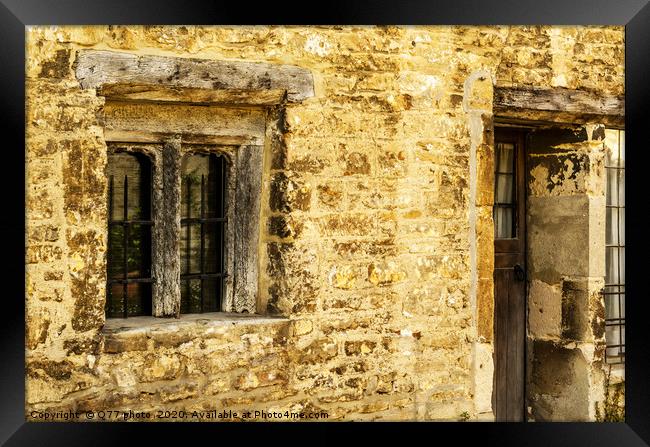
[635, 14]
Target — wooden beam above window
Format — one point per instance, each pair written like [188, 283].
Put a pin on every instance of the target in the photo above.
[559, 105]
[96, 68]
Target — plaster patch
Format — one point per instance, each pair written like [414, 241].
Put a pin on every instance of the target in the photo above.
[317, 45]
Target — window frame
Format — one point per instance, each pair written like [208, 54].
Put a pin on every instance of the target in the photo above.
[241, 232]
[114, 149]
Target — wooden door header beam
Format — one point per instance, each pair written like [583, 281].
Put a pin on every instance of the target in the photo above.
[98, 68]
[558, 105]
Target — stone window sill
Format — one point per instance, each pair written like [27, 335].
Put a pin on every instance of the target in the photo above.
[139, 333]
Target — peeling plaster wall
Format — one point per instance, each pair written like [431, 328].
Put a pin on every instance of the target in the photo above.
[376, 236]
[566, 265]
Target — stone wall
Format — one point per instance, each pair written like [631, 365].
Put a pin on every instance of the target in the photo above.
[376, 239]
[566, 264]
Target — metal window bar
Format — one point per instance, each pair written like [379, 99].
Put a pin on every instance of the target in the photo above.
[202, 221]
[126, 225]
[202, 248]
[615, 292]
[222, 249]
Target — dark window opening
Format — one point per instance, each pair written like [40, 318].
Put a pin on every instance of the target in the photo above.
[129, 235]
[203, 186]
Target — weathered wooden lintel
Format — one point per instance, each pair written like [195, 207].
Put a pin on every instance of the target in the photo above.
[96, 68]
[138, 136]
[187, 95]
[558, 105]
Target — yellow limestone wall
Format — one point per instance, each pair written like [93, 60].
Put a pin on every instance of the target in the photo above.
[380, 263]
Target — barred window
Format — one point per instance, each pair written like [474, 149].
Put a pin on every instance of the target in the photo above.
[183, 228]
[129, 235]
[615, 247]
[202, 231]
[143, 234]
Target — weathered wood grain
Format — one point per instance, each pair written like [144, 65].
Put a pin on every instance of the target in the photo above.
[196, 96]
[137, 136]
[248, 168]
[168, 276]
[240, 124]
[558, 100]
[94, 68]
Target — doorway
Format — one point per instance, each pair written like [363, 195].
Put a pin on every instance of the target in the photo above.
[509, 215]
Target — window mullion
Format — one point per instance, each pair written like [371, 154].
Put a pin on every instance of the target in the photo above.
[168, 297]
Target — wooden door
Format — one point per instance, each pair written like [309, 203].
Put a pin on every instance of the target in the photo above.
[509, 274]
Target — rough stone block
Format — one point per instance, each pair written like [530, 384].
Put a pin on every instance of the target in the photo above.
[558, 225]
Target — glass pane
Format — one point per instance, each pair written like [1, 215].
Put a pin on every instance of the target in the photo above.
[615, 256]
[211, 294]
[621, 226]
[116, 196]
[138, 297]
[116, 253]
[612, 226]
[503, 223]
[611, 145]
[190, 248]
[203, 181]
[131, 174]
[215, 188]
[612, 187]
[191, 196]
[621, 187]
[191, 296]
[139, 251]
[505, 189]
[612, 336]
[212, 248]
[200, 173]
[611, 303]
[183, 248]
[505, 157]
[621, 265]
[114, 303]
[129, 199]
[622, 302]
[611, 263]
[621, 160]
[623, 339]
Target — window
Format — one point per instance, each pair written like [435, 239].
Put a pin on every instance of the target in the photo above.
[129, 235]
[615, 247]
[237, 111]
[504, 203]
[174, 227]
[202, 231]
